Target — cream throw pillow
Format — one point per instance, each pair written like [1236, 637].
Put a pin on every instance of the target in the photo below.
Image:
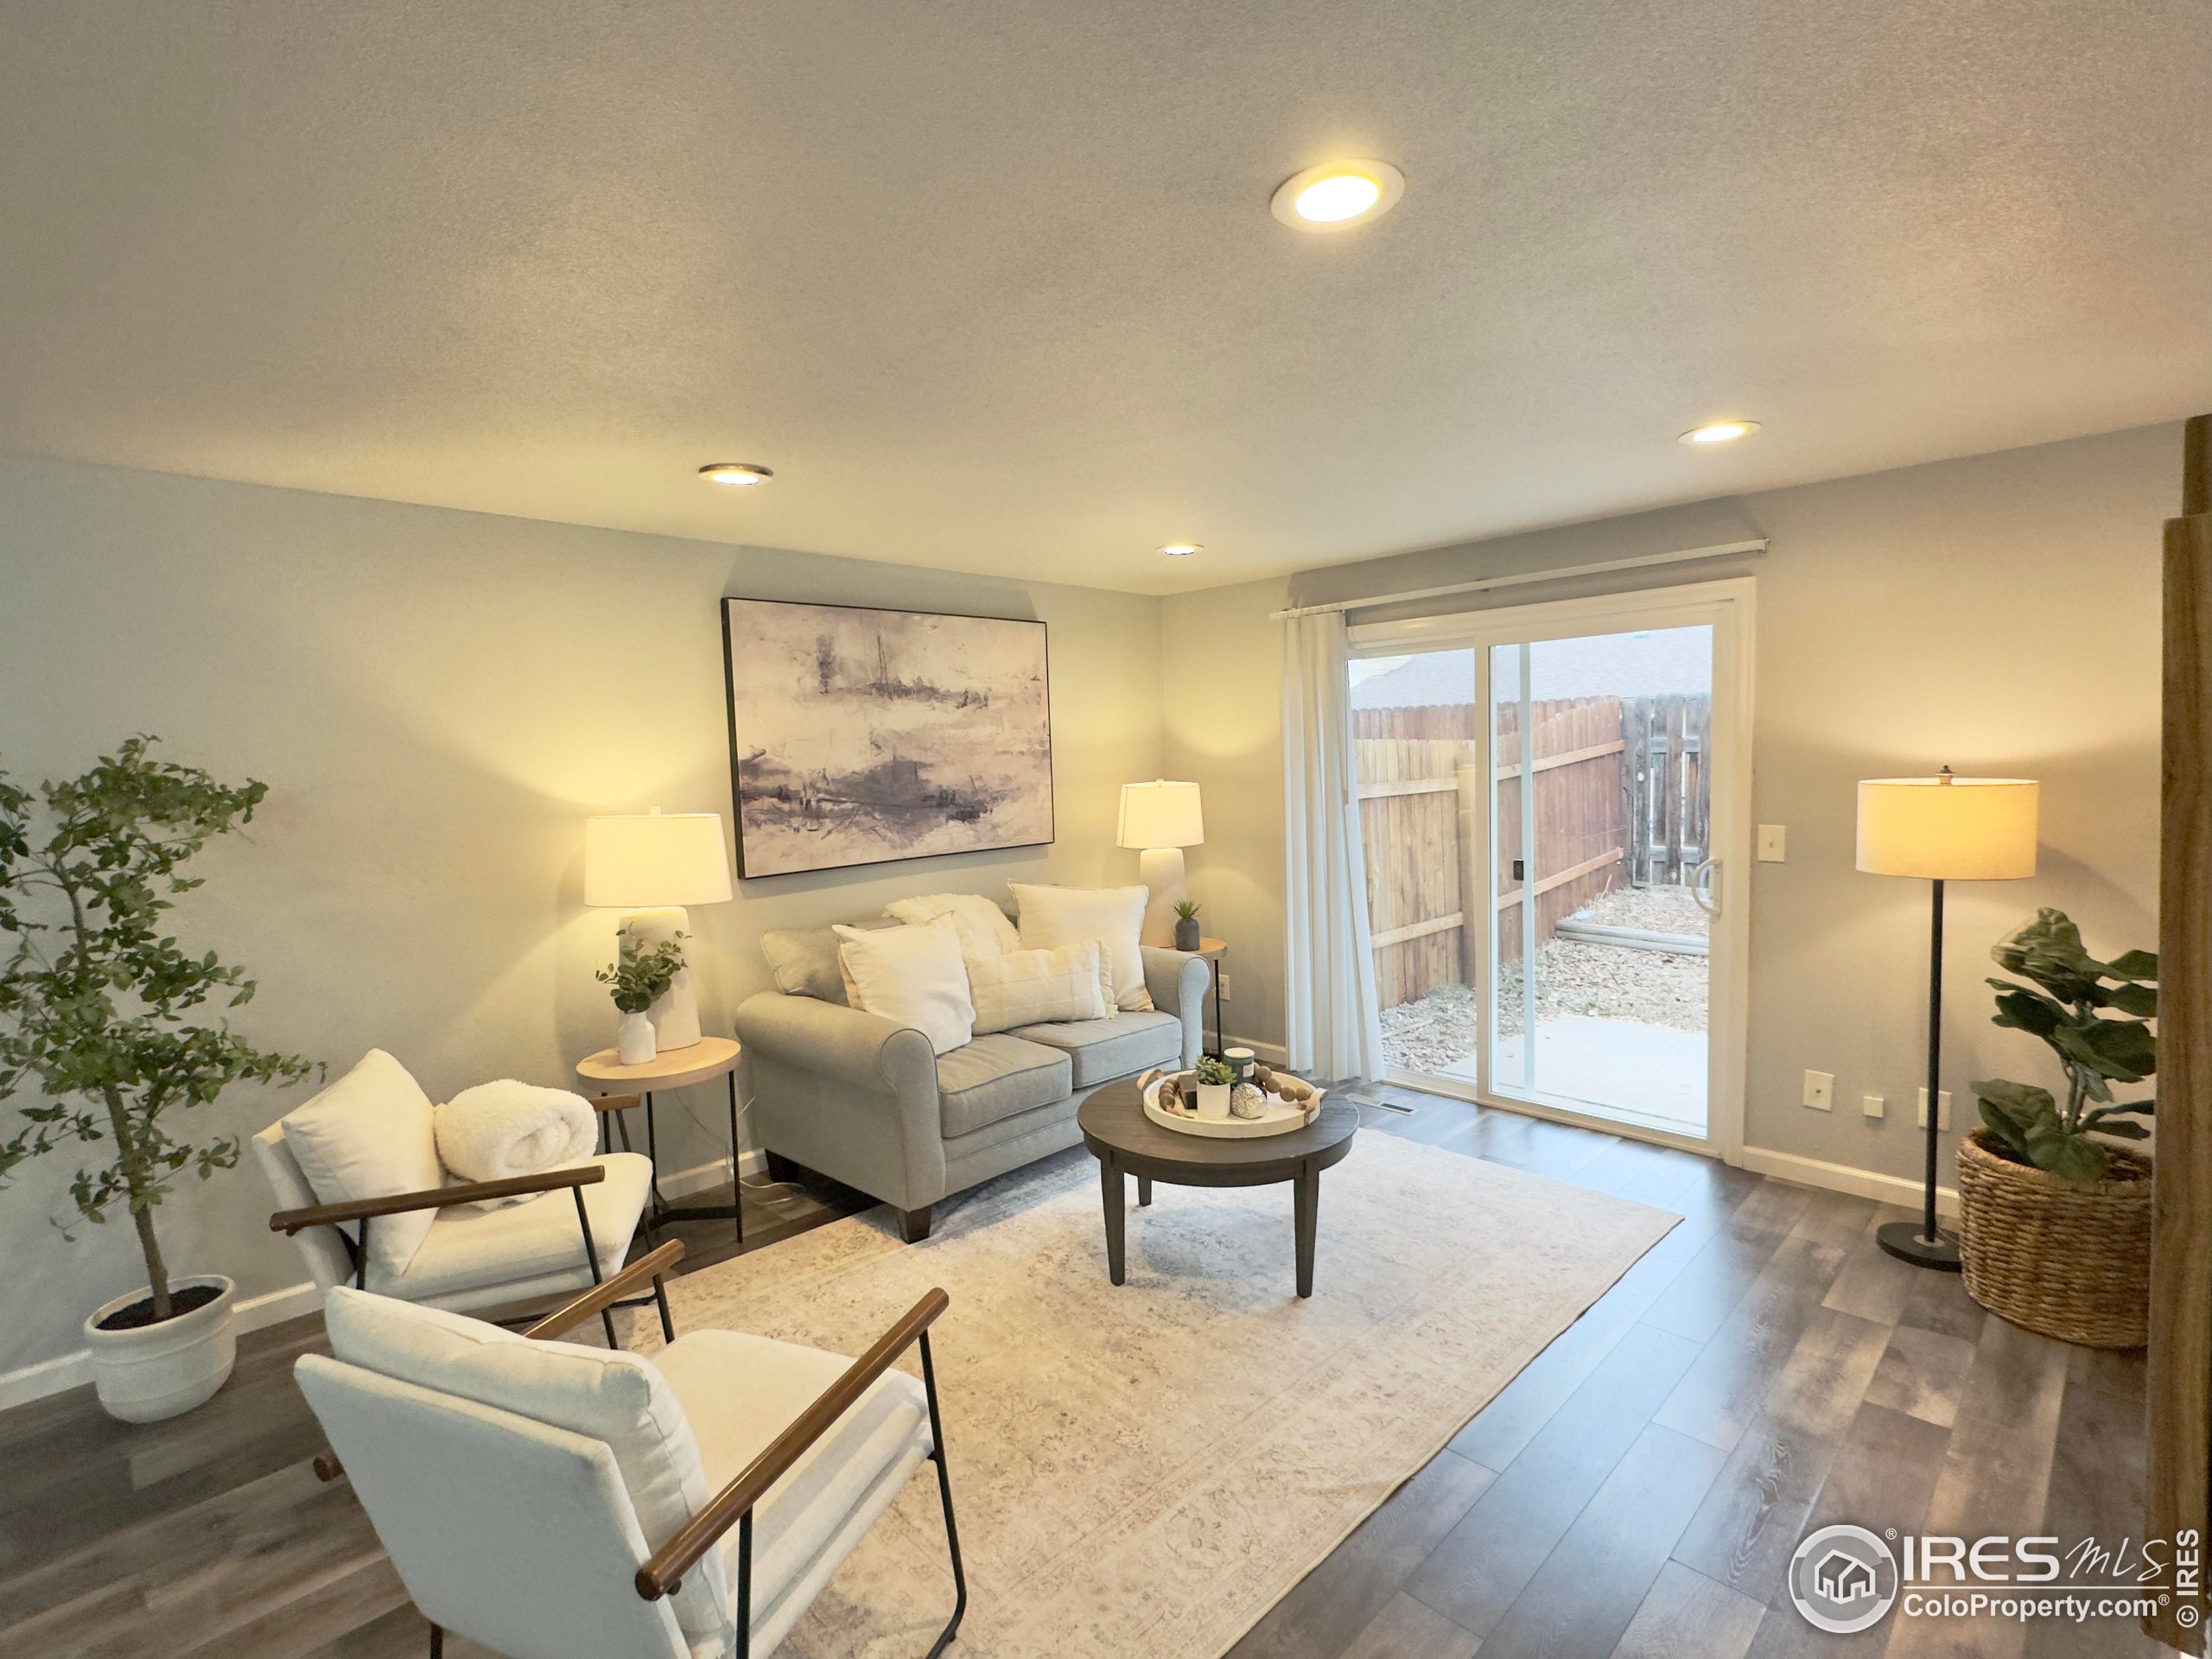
[984, 930]
[1035, 988]
[912, 975]
[1113, 915]
[371, 1135]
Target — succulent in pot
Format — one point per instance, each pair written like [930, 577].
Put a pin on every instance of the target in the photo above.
[1187, 937]
[1216, 1078]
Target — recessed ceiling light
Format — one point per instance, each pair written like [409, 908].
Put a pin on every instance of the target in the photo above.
[736, 475]
[1181, 549]
[1719, 432]
[1336, 196]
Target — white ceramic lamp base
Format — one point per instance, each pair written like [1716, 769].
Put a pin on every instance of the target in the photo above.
[1160, 869]
[675, 1016]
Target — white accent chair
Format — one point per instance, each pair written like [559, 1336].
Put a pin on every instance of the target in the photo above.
[379, 1162]
[552, 1501]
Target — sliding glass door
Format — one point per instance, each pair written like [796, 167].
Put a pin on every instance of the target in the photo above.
[1551, 798]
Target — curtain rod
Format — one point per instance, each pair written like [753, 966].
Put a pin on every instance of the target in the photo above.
[1559, 573]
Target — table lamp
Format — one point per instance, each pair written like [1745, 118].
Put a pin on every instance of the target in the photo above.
[1160, 819]
[1942, 829]
[649, 865]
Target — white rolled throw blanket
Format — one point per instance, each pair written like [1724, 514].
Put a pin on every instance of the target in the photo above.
[498, 1130]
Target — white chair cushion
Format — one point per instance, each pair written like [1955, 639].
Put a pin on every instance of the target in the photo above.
[739, 1392]
[603, 1395]
[914, 976]
[1028, 988]
[984, 928]
[471, 1249]
[1115, 916]
[371, 1135]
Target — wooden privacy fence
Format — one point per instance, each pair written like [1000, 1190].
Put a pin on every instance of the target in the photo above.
[1619, 794]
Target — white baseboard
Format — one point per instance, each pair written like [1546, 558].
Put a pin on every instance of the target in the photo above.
[682, 1182]
[75, 1371]
[1843, 1178]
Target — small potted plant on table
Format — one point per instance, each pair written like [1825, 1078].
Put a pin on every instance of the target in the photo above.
[1187, 937]
[94, 1001]
[639, 979]
[2055, 1222]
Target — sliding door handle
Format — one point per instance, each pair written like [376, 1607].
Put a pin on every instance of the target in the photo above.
[1701, 887]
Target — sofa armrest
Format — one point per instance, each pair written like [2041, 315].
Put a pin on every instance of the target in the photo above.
[1177, 980]
[847, 1046]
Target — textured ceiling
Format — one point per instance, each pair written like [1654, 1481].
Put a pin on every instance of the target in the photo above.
[994, 286]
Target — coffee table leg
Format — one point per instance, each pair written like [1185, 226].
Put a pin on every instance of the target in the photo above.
[1144, 1190]
[1109, 1179]
[1307, 1204]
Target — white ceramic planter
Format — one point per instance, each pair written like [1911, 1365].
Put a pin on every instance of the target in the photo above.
[161, 1371]
[635, 1043]
[1213, 1101]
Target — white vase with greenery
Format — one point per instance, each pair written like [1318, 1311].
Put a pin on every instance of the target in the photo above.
[97, 1027]
[639, 977]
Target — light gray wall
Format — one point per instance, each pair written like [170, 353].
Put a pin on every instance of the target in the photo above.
[437, 700]
[2000, 614]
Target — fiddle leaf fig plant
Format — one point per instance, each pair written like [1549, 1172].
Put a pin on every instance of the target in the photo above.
[97, 1002]
[641, 978]
[2092, 1014]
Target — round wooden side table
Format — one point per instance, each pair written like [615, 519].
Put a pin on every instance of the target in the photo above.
[621, 1088]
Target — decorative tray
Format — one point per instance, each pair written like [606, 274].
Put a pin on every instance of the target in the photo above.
[1279, 1117]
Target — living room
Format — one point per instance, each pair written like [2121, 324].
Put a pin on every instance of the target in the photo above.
[702, 587]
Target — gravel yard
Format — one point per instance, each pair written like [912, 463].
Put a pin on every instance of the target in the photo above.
[1659, 988]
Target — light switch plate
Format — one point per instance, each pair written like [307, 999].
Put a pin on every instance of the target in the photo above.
[1820, 1091]
[1872, 1105]
[1774, 843]
[1942, 1110]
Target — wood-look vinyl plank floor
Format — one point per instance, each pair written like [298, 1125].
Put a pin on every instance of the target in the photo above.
[1761, 1372]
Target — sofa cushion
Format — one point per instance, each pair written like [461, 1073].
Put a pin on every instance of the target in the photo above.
[996, 1077]
[1113, 915]
[984, 928]
[1029, 987]
[804, 962]
[914, 976]
[1112, 1047]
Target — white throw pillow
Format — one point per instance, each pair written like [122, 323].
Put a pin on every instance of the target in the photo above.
[371, 1135]
[1032, 988]
[912, 975]
[984, 930]
[1114, 916]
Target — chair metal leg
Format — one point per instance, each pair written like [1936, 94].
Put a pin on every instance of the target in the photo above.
[744, 1587]
[591, 1261]
[361, 1256]
[660, 1300]
[437, 1642]
[945, 1495]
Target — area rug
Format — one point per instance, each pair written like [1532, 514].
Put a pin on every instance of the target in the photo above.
[1140, 1472]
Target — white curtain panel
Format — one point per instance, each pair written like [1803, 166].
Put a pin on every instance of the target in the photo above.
[1333, 1028]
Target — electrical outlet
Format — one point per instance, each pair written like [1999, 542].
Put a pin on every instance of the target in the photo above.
[1226, 994]
[1820, 1091]
[1943, 1109]
[1774, 843]
[1872, 1105]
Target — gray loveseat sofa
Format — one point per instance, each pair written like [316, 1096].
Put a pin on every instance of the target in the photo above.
[863, 1099]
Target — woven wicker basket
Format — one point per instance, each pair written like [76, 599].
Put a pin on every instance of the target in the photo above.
[2067, 1261]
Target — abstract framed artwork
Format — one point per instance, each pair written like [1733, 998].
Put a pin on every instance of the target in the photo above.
[860, 736]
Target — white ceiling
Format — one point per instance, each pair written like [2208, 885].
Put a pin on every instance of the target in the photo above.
[994, 286]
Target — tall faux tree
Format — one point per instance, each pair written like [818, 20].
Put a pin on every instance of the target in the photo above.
[98, 1005]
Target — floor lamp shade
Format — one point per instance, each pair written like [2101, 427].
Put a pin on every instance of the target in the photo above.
[1942, 829]
[1161, 819]
[1947, 829]
[651, 865]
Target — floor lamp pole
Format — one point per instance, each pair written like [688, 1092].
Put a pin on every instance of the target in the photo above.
[1922, 1243]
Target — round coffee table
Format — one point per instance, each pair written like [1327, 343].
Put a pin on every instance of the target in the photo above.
[1126, 1142]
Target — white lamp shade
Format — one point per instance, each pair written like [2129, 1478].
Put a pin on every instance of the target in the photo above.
[641, 860]
[1160, 814]
[1947, 829]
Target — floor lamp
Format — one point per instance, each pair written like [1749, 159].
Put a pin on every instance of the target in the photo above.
[1942, 829]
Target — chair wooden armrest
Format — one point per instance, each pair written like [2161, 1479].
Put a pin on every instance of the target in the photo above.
[608, 1292]
[614, 1102]
[435, 1198]
[662, 1574]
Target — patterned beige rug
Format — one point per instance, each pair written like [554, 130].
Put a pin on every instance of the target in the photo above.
[1140, 1472]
